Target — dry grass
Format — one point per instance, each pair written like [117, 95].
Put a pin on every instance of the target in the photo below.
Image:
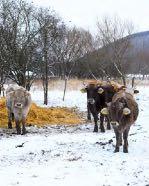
[58, 84]
[77, 84]
[43, 116]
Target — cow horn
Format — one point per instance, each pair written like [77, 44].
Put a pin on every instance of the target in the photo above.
[104, 111]
[126, 111]
[100, 90]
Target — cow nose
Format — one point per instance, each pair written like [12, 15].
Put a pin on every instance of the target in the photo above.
[91, 101]
[18, 105]
[114, 123]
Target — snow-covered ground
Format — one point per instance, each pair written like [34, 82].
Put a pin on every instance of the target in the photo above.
[66, 155]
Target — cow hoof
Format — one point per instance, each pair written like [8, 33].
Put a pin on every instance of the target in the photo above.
[24, 132]
[95, 129]
[116, 150]
[102, 130]
[9, 127]
[125, 150]
[18, 131]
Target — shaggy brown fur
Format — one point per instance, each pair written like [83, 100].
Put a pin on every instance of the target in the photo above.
[122, 122]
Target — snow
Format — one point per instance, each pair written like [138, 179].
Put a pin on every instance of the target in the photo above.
[72, 99]
[66, 155]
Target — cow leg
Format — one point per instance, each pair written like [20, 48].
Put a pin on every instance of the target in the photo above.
[125, 137]
[12, 116]
[23, 127]
[9, 120]
[118, 140]
[88, 113]
[101, 123]
[96, 124]
[108, 123]
[18, 128]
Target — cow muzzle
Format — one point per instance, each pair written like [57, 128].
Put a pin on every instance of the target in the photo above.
[91, 101]
[18, 105]
[114, 123]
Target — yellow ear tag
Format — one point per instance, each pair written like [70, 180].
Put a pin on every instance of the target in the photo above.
[83, 90]
[104, 111]
[100, 90]
[126, 111]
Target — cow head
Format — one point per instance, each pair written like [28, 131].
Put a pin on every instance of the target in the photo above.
[19, 98]
[116, 110]
[93, 91]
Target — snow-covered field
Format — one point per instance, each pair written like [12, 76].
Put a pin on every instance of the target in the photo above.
[75, 156]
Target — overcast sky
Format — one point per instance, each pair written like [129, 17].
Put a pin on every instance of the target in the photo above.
[84, 13]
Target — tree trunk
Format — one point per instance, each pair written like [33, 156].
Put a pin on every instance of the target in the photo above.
[45, 82]
[133, 82]
[45, 89]
[65, 87]
[124, 80]
[28, 86]
[45, 96]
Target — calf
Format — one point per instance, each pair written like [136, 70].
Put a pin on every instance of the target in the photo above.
[123, 112]
[18, 102]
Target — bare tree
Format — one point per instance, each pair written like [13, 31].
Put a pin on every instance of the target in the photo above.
[50, 23]
[71, 46]
[18, 35]
[113, 35]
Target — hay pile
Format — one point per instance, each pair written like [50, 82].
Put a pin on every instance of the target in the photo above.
[43, 116]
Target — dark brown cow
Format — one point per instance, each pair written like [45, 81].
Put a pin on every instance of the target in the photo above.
[123, 112]
[98, 94]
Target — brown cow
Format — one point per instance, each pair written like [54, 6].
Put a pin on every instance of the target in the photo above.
[18, 102]
[123, 111]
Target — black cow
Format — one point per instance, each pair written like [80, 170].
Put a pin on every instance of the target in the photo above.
[97, 97]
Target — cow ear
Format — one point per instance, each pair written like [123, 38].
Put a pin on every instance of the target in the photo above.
[136, 91]
[100, 90]
[83, 90]
[126, 111]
